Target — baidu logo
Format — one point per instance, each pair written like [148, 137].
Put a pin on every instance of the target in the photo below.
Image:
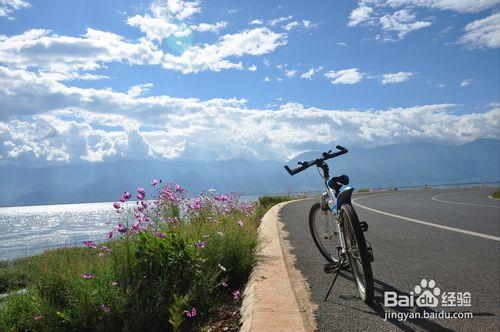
[427, 293]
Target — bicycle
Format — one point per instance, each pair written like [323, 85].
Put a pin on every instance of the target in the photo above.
[336, 229]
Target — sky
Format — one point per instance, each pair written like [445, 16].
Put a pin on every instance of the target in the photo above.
[86, 81]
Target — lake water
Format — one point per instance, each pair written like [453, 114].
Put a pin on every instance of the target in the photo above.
[29, 230]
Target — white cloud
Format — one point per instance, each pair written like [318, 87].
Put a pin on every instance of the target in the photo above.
[311, 72]
[252, 68]
[461, 6]
[279, 20]
[139, 89]
[346, 76]
[402, 22]
[342, 44]
[267, 79]
[483, 33]
[214, 57]
[359, 15]
[290, 72]
[465, 82]
[257, 22]
[169, 18]
[399, 15]
[64, 57]
[48, 122]
[62, 54]
[305, 24]
[9, 6]
[398, 77]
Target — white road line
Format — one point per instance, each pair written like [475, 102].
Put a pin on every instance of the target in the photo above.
[453, 229]
[435, 198]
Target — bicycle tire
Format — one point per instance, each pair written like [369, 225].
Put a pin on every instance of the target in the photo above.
[351, 228]
[313, 212]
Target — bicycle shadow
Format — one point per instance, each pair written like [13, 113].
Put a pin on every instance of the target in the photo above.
[380, 310]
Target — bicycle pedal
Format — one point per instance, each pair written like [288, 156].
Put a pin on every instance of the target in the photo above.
[330, 267]
[364, 226]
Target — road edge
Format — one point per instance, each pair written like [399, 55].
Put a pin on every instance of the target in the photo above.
[270, 298]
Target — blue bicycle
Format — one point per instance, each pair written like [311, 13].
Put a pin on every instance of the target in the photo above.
[336, 229]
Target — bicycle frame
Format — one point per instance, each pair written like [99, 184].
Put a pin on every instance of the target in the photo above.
[333, 199]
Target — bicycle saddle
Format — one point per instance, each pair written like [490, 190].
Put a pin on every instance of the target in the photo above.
[337, 181]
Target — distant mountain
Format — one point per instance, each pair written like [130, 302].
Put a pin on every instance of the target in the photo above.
[387, 166]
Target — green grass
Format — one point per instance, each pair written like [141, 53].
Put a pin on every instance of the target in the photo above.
[146, 282]
[496, 194]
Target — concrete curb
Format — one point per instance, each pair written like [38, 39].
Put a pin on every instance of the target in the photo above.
[270, 301]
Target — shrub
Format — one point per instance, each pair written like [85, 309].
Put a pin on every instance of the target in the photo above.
[167, 266]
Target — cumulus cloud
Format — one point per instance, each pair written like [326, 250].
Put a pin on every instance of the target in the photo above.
[345, 76]
[305, 24]
[359, 15]
[49, 123]
[62, 54]
[311, 72]
[402, 22]
[461, 6]
[290, 73]
[9, 6]
[217, 56]
[465, 82]
[169, 18]
[279, 20]
[483, 33]
[398, 77]
[399, 16]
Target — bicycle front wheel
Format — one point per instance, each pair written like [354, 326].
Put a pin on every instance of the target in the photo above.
[357, 252]
[324, 232]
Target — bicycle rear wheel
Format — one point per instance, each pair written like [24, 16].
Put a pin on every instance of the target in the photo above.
[324, 232]
[357, 252]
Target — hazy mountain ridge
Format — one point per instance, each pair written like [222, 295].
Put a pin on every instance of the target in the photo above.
[386, 166]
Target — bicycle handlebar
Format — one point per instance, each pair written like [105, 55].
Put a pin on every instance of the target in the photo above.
[325, 156]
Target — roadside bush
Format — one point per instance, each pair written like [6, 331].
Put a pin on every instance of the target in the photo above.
[168, 265]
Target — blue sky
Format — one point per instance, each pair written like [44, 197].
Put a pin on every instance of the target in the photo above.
[98, 81]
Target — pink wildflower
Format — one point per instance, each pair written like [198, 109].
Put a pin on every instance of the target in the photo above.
[140, 190]
[160, 234]
[240, 222]
[127, 195]
[236, 294]
[140, 196]
[154, 182]
[223, 284]
[114, 283]
[116, 205]
[105, 308]
[201, 244]
[89, 244]
[87, 276]
[106, 248]
[121, 228]
[191, 313]
[109, 235]
[144, 204]
[38, 317]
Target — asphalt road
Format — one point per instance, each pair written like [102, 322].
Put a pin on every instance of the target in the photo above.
[450, 236]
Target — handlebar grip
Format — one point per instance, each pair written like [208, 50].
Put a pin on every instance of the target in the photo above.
[293, 171]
